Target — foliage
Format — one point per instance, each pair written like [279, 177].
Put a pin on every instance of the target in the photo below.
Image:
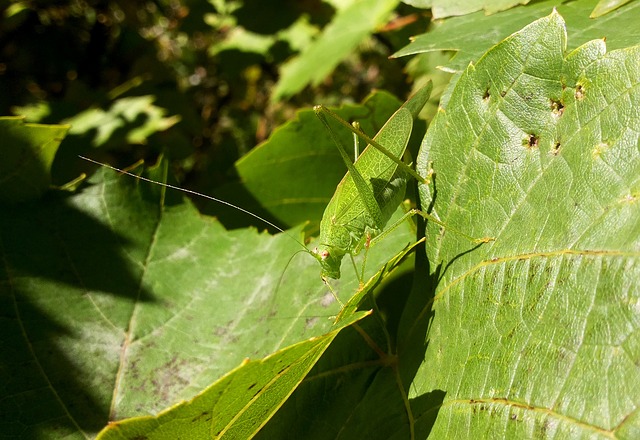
[130, 312]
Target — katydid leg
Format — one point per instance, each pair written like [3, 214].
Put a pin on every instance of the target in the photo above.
[427, 217]
[321, 111]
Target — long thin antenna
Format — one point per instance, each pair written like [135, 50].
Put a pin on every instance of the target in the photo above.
[188, 191]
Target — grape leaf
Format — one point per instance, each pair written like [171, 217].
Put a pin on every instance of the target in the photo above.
[536, 334]
[239, 403]
[122, 300]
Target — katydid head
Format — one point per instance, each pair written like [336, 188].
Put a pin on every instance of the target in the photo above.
[329, 258]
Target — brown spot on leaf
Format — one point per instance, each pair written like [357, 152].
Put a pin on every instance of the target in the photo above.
[532, 141]
[557, 108]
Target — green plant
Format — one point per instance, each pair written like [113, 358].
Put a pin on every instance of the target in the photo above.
[120, 299]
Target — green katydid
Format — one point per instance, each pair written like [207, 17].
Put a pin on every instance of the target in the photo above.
[369, 193]
[372, 189]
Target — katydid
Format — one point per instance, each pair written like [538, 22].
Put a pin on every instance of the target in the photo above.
[372, 189]
[369, 193]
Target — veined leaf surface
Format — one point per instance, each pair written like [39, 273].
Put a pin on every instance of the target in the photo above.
[536, 334]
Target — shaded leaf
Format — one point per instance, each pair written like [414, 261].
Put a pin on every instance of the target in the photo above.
[122, 300]
[353, 392]
[27, 152]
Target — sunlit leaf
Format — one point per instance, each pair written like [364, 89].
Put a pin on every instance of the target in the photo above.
[448, 8]
[471, 35]
[349, 27]
[131, 119]
[536, 333]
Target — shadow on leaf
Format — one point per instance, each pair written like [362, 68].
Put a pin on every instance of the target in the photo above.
[63, 272]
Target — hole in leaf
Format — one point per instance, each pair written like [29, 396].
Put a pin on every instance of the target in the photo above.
[532, 141]
[557, 108]
[579, 92]
[503, 93]
[486, 95]
[556, 148]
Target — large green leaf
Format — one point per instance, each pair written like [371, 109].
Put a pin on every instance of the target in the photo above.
[537, 334]
[122, 300]
[237, 405]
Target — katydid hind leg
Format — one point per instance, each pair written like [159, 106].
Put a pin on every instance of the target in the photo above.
[413, 106]
[428, 217]
[321, 111]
